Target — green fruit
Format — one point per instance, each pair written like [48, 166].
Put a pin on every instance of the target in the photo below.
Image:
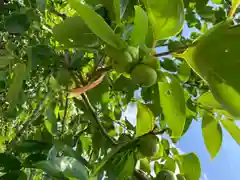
[121, 59]
[148, 145]
[180, 177]
[144, 75]
[134, 52]
[166, 175]
[151, 61]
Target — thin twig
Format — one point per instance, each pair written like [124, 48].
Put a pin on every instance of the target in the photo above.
[92, 111]
[65, 114]
[174, 51]
[30, 120]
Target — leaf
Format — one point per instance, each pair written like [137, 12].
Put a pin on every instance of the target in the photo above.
[19, 175]
[51, 121]
[68, 166]
[31, 146]
[97, 25]
[217, 1]
[79, 36]
[140, 28]
[232, 129]
[190, 166]
[184, 71]
[166, 17]
[145, 165]
[207, 99]
[17, 23]
[116, 5]
[170, 164]
[173, 104]
[128, 166]
[212, 134]
[20, 72]
[235, 4]
[145, 120]
[9, 162]
[219, 64]
[33, 158]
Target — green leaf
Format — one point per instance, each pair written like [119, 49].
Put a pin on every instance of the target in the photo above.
[31, 146]
[232, 129]
[79, 36]
[190, 166]
[235, 4]
[68, 166]
[140, 28]
[212, 134]
[97, 25]
[207, 99]
[20, 73]
[166, 17]
[184, 71]
[17, 23]
[145, 120]
[219, 64]
[170, 164]
[217, 1]
[51, 121]
[145, 165]
[9, 162]
[33, 158]
[128, 167]
[19, 175]
[173, 104]
[116, 5]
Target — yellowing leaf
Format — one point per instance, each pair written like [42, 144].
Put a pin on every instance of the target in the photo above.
[97, 24]
[190, 166]
[145, 120]
[212, 134]
[166, 17]
[173, 104]
[232, 129]
[140, 28]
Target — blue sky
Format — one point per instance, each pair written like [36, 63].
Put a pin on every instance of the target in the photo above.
[226, 164]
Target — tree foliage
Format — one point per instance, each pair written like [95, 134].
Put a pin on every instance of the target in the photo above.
[70, 70]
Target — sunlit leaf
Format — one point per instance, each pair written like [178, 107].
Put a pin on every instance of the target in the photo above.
[212, 134]
[140, 28]
[207, 99]
[145, 120]
[173, 104]
[166, 17]
[190, 166]
[79, 36]
[67, 166]
[232, 129]
[97, 25]
[219, 64]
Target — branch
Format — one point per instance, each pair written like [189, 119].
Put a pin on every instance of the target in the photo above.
[30, 120]
[92, 111]
[179, 50]
[65, 114]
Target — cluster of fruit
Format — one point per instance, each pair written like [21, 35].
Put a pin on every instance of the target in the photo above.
[148, 147]
[143, 70]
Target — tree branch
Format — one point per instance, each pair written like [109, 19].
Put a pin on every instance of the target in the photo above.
[30, 120]
[92, 111]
